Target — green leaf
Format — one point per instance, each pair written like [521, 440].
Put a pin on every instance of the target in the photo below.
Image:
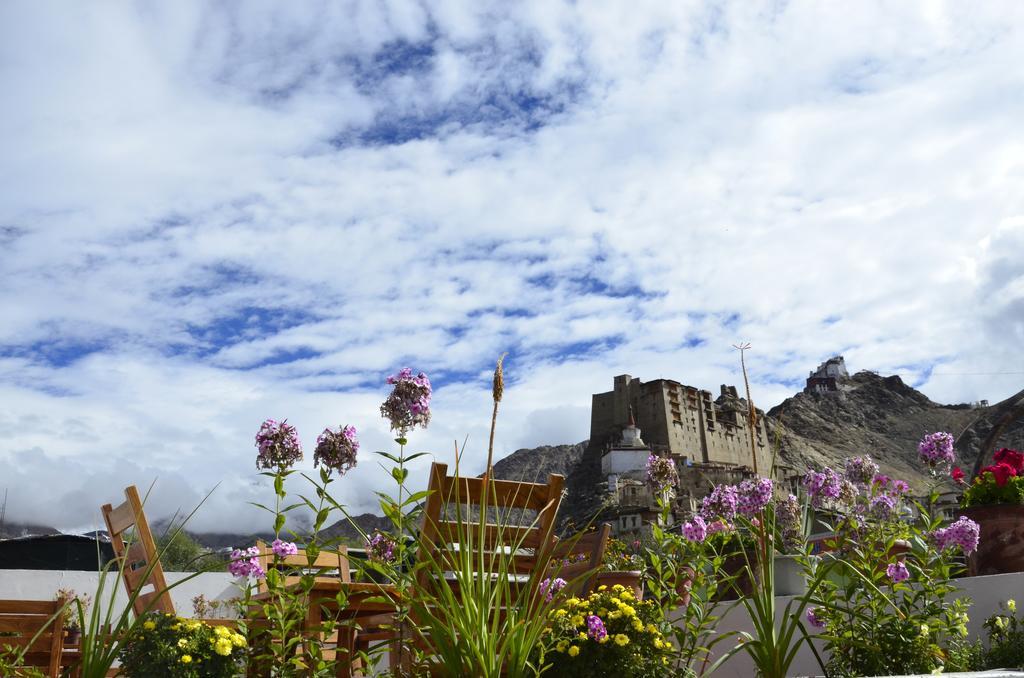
[279, 523]
[399, 474]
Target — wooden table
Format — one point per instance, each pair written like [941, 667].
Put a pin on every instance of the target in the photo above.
[363, 605]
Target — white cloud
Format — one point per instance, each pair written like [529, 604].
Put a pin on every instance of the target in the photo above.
[211, 216]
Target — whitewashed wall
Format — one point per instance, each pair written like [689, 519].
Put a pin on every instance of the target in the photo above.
[43, 584]
[985, 592]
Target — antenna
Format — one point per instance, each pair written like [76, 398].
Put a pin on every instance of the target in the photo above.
[751, 412]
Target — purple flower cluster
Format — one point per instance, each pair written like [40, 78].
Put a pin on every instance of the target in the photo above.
[882, 506]
[860, 470]
[549, 587]
[695, 530]
[337, 450]
[246, 563]
[720, 504]
[823, 486]
[815, 617]
[381, 548]
[896, 488]
[595, 628]
[408, 405]
[963, 533]
[789, 521]
[661, 473]
[897, 572]
[278, 445]
[936, 450]
[753, 495]
[283, 548]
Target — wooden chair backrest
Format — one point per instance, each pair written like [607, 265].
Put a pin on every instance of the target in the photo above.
[326, 562]
[528, 536]
[24, 619]
[579, 557]
[141, 568]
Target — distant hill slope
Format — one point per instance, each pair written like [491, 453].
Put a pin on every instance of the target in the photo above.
[880, 416]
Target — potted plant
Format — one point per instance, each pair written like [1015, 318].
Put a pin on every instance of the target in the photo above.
[622, 565]
[72, 623]
[995, 500]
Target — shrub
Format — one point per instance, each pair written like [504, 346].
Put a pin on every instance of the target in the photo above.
[165, 645]
[1005, 639]
[609, 633]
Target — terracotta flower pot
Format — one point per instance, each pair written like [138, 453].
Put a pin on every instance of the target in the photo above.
[631, 580]
[1001, 539]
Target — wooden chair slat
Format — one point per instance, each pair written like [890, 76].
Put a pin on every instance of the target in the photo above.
[27, 607]
[121, 518]
[141, 549]
[328, 561]
[504, 493]
[136, 555]
[43, 620]
[488, 536]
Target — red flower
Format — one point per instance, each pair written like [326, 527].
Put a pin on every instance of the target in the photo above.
[958, 475]
[1000, 472]
[1011, 458]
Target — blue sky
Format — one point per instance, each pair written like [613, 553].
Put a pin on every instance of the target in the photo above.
[212, 214]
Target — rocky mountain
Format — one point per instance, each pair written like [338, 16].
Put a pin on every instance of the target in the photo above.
[883, 417]
[9, 530]
[870, 414]
[534, 465]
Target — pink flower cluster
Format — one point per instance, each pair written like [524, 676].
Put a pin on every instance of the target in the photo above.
[695, 530]
[549, 587]
[897, 572]
[860, 470]
[381, 548]
[408, 405]
[720, 504]
[337, 450]
[964, 533]
[823, 486]
[753, 495]
[661, 473]
[789, 521]
[278, 445]
[815, 617]
[284, 548]
[936, 450]
[885, 484]
[246, 563]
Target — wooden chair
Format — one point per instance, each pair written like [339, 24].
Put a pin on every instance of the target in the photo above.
[527, 518]
[517, 525]
[26, 618]
[326, 562]
[578, 559]
[141, 570]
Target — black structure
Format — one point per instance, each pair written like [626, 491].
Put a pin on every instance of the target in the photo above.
[55, 552]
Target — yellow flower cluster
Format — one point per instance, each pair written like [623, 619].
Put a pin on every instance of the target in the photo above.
[224, 641]
[616, 608]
